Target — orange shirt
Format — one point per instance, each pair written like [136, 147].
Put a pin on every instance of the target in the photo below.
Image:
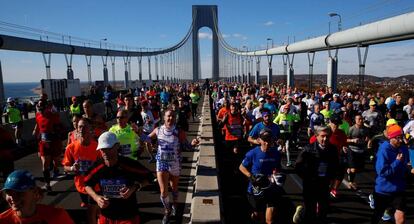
[222, 112]
[44, 214]
[85, 156]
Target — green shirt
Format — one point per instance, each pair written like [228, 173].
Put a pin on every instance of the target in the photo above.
[344, 127]
[327, 113]
[194, 98]
[285, 122]
[14, 115]
[127, 139]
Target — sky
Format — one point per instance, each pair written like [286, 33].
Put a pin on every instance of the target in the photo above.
[163, 23]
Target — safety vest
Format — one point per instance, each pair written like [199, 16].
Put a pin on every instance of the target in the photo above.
[75, 110]
[127, 140]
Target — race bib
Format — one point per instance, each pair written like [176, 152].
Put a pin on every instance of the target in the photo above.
[322, 169]
[125, 150]
[167, 156]
[236, 130]
[84, 165]
[46, 137]
[111, 188]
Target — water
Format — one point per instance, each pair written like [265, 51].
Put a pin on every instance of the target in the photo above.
[21, 89]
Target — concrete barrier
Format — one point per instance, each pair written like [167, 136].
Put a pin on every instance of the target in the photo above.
[206, 203]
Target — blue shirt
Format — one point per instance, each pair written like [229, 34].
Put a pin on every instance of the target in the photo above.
[259, 162]
[107, 95]
[316, 120]
[335, 105]
[390, 171]
[254, 133]
[165, 97]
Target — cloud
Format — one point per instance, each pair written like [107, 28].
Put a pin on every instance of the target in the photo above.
[163, 36]
[269, 23]
[225, 35]
[202, 35]
[238, 35]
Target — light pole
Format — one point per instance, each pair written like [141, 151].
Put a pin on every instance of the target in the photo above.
[267, 43]
[100, 42]
[333, 14]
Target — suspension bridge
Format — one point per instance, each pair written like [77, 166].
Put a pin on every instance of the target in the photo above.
[181, 62]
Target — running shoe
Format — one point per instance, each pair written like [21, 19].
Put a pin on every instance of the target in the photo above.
[299, 213]
[334, 193]
[371, 201]
[387, 216]
[47, 188]
[289, 164]
[173, 211]
[166, 219]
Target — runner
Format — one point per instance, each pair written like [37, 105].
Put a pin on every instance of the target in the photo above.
[128, 138]
[15, 119]
[261, 164]
[168, 157]
[317, 165]
[390, 183]
[79, 157]
[75, 107]
[23, 195]
[117, 178]
[358, 139]
[47, 130]
[97, 122]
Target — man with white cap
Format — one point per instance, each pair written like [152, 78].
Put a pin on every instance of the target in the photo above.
[117, 178]
[257, 114]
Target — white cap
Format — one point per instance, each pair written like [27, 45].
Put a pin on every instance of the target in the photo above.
[10, 99]
[261, 99]
[349, 94]
[336, 95]
[107, 140]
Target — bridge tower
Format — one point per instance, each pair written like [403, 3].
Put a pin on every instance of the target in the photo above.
[205, 16]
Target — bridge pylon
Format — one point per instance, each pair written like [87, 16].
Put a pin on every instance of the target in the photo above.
[205, 16]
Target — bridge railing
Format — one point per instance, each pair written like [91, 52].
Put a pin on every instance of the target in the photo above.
[206, 202]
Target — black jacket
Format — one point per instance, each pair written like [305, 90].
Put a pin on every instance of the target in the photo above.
[315, 164]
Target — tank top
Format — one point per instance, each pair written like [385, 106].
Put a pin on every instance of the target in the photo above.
[168, 144]
[127, 139]
[75, 110]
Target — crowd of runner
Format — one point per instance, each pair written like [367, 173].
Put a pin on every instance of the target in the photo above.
[338, 132]
[104, 160]
[333, 134]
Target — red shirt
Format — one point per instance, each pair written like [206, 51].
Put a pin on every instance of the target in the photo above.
[44, 214]
[46, 122]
